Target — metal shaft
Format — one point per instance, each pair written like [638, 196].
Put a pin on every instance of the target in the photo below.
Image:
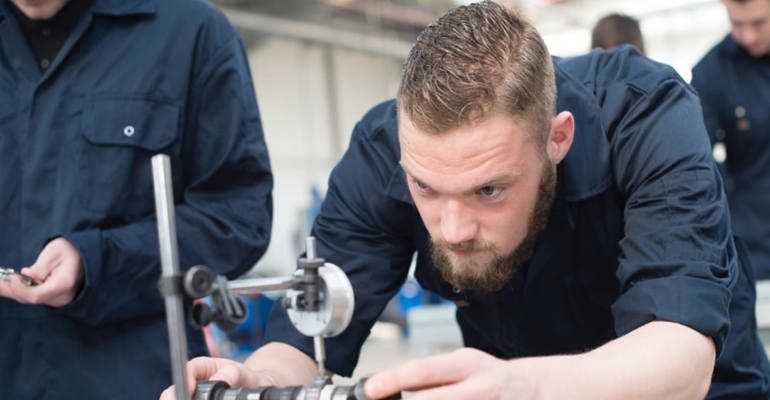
[259, 285]
[319, 349]
[310, 248]
[320, 354]
[169, 260]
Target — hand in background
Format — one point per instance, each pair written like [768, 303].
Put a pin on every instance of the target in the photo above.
[59, 271]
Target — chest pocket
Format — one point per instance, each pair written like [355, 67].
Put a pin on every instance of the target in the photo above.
[120, 135]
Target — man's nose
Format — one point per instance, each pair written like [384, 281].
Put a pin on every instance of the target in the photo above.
[458, 223]
[748, 37]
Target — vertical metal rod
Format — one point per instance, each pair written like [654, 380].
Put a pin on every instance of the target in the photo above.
[318, 340]
[320, 354]
[169, 261]
[310, 247]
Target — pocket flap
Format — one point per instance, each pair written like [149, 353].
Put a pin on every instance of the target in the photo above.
[140, 122]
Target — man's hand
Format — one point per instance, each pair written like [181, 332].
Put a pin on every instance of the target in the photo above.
[59, 271]
[464, 374]
[673, 360]
[219, 369]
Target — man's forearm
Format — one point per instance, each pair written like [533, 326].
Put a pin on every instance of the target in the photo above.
[283, 364]
[660, 360]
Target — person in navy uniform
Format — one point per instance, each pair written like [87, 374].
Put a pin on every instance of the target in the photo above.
[569, 206]
[733, 81]
[90, 90]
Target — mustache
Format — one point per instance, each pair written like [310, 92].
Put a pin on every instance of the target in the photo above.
[468, 245]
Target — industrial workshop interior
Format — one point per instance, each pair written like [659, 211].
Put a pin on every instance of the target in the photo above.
[384, 199]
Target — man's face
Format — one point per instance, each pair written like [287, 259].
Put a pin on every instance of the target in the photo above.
[484, 193]
[39, 9]
[750, 23]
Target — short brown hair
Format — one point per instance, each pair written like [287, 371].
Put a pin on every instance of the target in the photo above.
[475, 61]
[614, 30]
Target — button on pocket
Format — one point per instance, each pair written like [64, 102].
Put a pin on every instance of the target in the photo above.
[120, 136]
[128, 130]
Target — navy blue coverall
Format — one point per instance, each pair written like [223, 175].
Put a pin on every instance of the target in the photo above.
[734, 88]
[134, 78]
[639, 231]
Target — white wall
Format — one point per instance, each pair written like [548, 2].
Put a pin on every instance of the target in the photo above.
[307, 129]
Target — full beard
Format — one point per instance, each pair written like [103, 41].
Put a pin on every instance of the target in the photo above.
[490, 276]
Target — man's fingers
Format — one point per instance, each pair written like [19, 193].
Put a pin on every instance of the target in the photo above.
[211, 369]
[57, 252]
[35, 272]
[169, 394]
[45, 262]
[13, 288]
[57, 290]
[232, 374]
[49, 293]
[197, 369]
[478, 386]
[202, 368]
[465, 390]
[217, 369]
[424, 373]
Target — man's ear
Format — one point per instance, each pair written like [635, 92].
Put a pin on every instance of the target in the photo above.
[560, 138]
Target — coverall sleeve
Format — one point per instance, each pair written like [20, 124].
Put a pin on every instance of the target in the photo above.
[222, 190]
[364, 231]
[677, 257]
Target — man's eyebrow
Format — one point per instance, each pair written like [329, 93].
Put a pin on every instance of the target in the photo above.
[502, 178]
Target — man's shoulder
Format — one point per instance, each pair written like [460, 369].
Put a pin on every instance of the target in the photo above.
[177, 16]
[380, 123]
[613, 97]
[371, 161]
[377, 132]
[174, 21]
[624, 66]
[188, 8]
[183, 9]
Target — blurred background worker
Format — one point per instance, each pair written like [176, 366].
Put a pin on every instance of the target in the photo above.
[615, 30]
[733, 81]
[89, 91]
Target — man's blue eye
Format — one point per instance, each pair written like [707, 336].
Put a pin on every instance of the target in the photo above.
[489, 191]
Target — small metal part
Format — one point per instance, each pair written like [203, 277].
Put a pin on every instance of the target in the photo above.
[335, 309]
[310, 247]
[198, 281]
[5, 273]
[320, 389]
[319, 351]
[310, 282]
[26, 280]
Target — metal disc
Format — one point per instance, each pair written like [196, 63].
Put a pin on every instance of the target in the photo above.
[336, 308]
